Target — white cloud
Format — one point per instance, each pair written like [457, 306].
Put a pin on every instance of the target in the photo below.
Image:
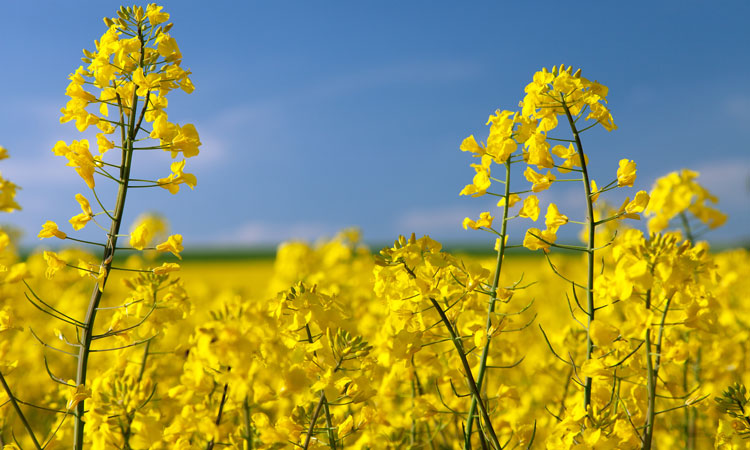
[729, 180]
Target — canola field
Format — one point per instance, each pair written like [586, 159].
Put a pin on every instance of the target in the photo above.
[627, 338]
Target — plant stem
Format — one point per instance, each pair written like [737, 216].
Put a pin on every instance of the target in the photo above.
[19, 412]
[469, 377]
[321, 403]
[589, 249]
[686, 226]
[87, 330]
[248, 435]
[210, 444]
[490, 310]
[652, 365]
[127, 430]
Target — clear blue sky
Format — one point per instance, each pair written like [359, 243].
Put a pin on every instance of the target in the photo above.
[321, 115]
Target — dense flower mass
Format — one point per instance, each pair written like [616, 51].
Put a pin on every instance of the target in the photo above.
[639, 343]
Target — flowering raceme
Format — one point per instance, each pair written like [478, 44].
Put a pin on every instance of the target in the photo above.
[127, 77]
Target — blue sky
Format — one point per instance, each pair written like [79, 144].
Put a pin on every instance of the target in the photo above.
[317, 116]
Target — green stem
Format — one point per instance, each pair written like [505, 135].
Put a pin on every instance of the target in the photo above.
[686, 226]
[490, 311]
[248, 435]
[87, 330]
[127, 429]
[13, 402]
[589, 249]
[321, 403]
[332, 438]
[210, 444]
[652, 365]
[469, 377]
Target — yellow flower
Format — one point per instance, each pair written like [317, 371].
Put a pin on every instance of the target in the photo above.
[481, 181]
[80, 220]
[17, 272]
[594, 191]
[154, 14]
[553, 218]
[530, 208]
[186, 141]
[540, 182]
[470, 145]
[80, 158]
[146, 83]
[485, 220]
[626, 173]
[173, 244]
[54, 263]
[538, 152]
[638, 204]
[103, 143]
[177, 177]
[140, 237]
[49, 229]
[166, 268]
[532, 239]
[77, 395]
[513, 199]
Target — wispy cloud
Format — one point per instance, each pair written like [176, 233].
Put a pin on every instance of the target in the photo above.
[729, 180]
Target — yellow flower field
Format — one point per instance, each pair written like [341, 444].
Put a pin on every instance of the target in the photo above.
[622, 339]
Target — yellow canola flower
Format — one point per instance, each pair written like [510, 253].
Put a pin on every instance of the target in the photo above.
[187, 141]
[554, 219]
[485, 220]
[539, 182]
[595, 368]
[538, 152]
[530, 208]
[49, 229]
[3, 153]
[532, 239]
[79, 157]
[513, 199]
[603, 333]
[470, 145]
[80, 220]
[154, 14]
[346, 426]
[101, 277]
[481, 181]
[626, 173]
[173, 244]
[638, 204]
[570, 156]
[177, 177]
[77, 395]
[166, 268]
[17, 273]
[594, 191]
[146, 83]
[678, 193]
[54, 263]
[500, 143]
[140, 237]
[102, 143]
[7, 320]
